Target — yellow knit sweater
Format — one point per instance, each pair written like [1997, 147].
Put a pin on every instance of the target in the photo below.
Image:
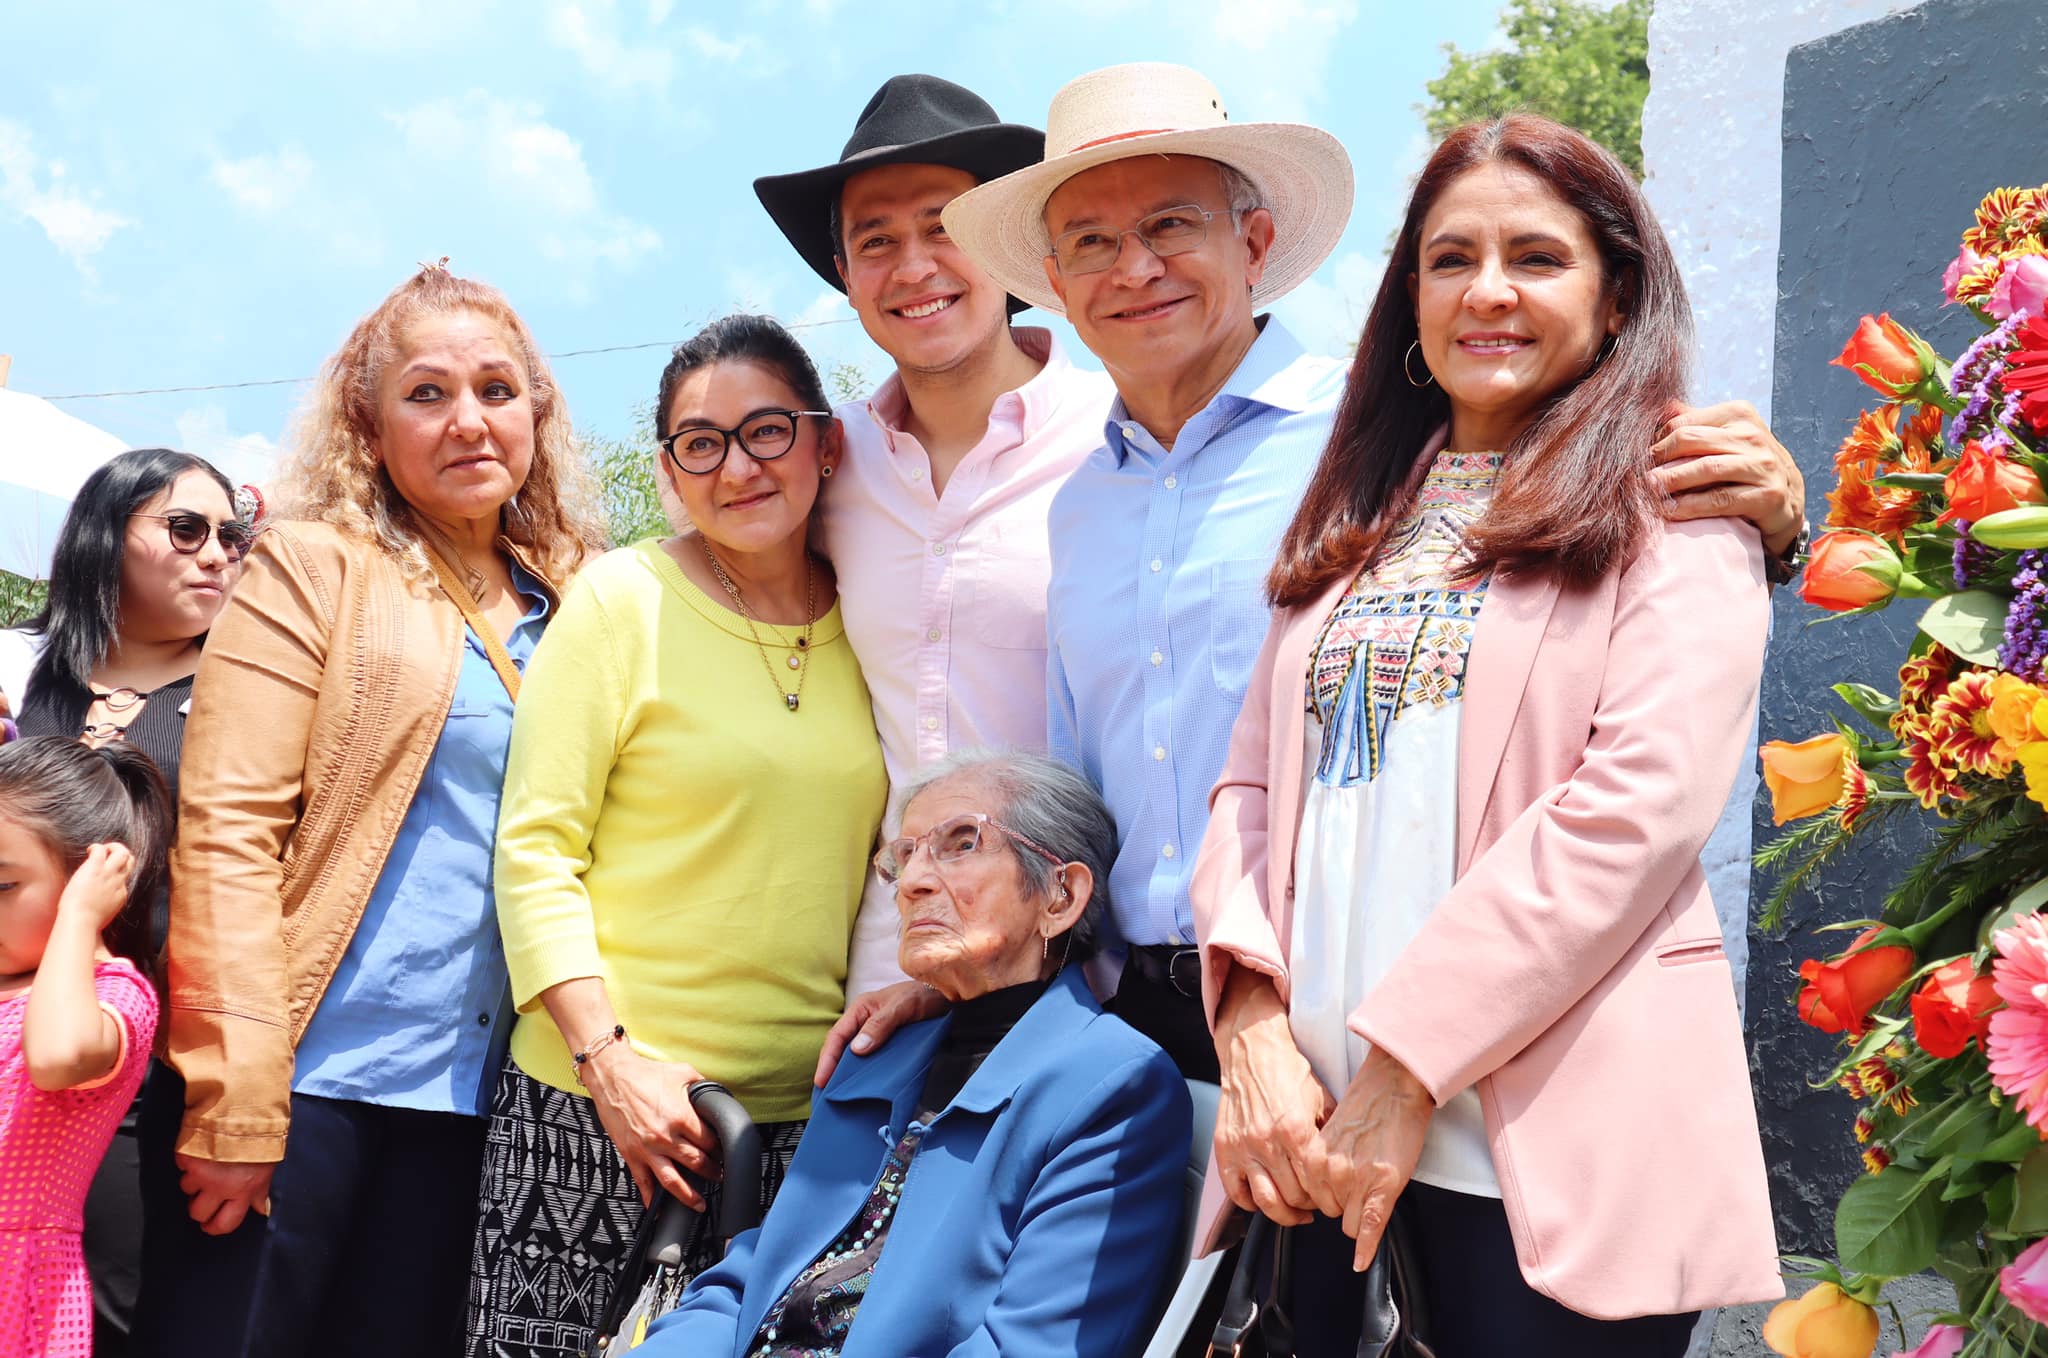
[671, 827]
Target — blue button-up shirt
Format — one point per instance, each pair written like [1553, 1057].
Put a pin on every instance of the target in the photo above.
[1157, 609]
[419, 1011]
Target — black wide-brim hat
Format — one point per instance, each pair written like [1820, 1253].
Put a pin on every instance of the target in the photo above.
[912, 120]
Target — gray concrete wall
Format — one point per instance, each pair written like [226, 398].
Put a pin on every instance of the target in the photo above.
[1892, 130]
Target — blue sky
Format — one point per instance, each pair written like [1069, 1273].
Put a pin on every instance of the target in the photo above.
[193, 195]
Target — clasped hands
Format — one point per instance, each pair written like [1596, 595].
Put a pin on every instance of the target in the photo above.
[1286, 1149]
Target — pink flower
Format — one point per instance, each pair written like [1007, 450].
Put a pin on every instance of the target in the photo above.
[2025, 1282]
[1968, 262]
[1942, 1341]
[2023, 286]
[2018, 1045]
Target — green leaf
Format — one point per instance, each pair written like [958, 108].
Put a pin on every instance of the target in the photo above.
[1915, 481]
[2008, 1147]
[2027, 902]
[2030, 1206]
[1971, 624]
[1873, 705]
[1998, 1201]
[1888, 1224]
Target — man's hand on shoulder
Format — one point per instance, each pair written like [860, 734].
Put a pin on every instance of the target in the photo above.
[869, 1020]
[1723, 461]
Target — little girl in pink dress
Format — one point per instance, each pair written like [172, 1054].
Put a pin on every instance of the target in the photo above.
[82, 834]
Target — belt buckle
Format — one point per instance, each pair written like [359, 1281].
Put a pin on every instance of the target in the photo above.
[1184, 972]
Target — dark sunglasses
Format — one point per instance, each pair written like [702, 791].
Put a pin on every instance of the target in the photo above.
[189, 532]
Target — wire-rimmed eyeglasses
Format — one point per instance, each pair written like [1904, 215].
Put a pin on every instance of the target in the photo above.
[1167, 232]
[952, 839]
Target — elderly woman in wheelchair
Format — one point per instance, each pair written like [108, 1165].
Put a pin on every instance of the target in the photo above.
[1005, 1179]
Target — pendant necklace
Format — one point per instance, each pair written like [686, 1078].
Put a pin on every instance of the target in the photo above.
[803, 641]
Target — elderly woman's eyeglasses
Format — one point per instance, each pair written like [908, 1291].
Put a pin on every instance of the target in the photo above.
[951, 840]
[1167, 232]
[189, 532]
[766, 435]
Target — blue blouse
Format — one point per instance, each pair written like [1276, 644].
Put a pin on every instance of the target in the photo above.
[419, 1011]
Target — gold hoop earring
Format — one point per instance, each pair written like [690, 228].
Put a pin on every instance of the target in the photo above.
[1409, 372]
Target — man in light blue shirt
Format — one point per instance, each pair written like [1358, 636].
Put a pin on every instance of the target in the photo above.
[1160, 228]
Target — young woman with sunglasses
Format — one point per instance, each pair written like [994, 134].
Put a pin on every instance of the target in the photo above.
[690, 801]
[143, 565]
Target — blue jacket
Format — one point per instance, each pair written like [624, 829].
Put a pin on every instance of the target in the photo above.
[1041, 1214]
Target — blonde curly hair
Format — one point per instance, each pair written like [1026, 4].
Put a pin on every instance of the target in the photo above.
[332, 475]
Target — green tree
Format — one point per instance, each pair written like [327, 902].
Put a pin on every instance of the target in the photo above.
[20, 599]
[1579, 61]
[624, 470]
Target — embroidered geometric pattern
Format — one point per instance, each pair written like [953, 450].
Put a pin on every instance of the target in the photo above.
[558, 1214]
[1399, 637]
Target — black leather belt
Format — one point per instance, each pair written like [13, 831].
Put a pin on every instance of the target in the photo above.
[1174, 966]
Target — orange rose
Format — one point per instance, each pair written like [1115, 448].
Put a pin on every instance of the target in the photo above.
[1837, 995]
[2013, 700]
[1985, 483]
[1951, 1007]
[1807, 778]
[1822, 1322]
[1849, 570]
[1882, 353]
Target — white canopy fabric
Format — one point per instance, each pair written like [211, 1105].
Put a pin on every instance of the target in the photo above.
[45, 456]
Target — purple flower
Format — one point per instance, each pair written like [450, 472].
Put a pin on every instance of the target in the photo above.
[2026, 630]
[1971, 556]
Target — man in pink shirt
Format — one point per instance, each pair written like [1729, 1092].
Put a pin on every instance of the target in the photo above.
[935, 523]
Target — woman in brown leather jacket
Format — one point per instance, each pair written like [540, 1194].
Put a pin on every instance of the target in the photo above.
[337, 993]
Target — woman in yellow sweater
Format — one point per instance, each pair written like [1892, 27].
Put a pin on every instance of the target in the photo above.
[692, 792]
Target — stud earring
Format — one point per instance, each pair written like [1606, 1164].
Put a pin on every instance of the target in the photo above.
[825, 470]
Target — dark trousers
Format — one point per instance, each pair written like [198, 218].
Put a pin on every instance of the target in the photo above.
[1153, 1005]
[365, 1249]
[113, 1240]
[1475, 1301]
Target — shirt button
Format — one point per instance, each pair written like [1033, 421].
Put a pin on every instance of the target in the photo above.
[938, 549]
[932, 634]
[916, 475]
[1166, 852]
[1158, 659]
[931, 723]
[1157, 565]
[483, 1020]
[1159, 752]
[1130, 431]
[1171, 482]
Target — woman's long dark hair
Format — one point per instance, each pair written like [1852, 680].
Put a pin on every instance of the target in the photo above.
[1576, 498]
[72, 796]
[84, 611]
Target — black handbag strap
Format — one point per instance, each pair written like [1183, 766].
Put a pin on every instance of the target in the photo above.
[1245, 1326]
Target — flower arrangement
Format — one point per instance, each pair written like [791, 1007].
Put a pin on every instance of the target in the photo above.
[1942, 1000]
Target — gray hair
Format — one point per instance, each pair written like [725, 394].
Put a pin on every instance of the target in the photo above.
[1238, 191]
[1046, 801]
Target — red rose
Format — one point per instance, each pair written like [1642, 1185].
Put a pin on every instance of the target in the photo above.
[1849, 570]
[1952, 1006]
[1986, 482]
[1837, 995]
[1882, 353]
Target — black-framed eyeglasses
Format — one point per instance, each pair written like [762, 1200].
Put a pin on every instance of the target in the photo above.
[700, 449]
[189, 532]
[1167, 232]
[953, 839]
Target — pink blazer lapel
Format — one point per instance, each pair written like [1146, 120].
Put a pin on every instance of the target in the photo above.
[1510, 629]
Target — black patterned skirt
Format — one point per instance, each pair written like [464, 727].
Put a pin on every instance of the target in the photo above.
[556, 1221]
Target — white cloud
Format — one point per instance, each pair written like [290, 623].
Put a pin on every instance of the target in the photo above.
[588, 29]
[531, 167]
[245, 459]
[263, 184]
[1272, 57]
[711, 47]
[35, 189]
[379, 25]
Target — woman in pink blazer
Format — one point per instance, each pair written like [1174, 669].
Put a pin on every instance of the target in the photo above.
[1457, 948]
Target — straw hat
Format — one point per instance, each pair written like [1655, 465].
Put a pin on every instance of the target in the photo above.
[1147, 108]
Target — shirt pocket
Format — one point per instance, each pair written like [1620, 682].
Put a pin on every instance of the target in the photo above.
[1005, 597]
[1238, 618]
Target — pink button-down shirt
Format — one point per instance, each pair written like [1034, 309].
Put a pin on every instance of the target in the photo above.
[944, 595]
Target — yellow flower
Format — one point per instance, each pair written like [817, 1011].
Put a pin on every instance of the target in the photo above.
[2013, 704]
[1807, 778]
[1823, 1322]
[2033, 761]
